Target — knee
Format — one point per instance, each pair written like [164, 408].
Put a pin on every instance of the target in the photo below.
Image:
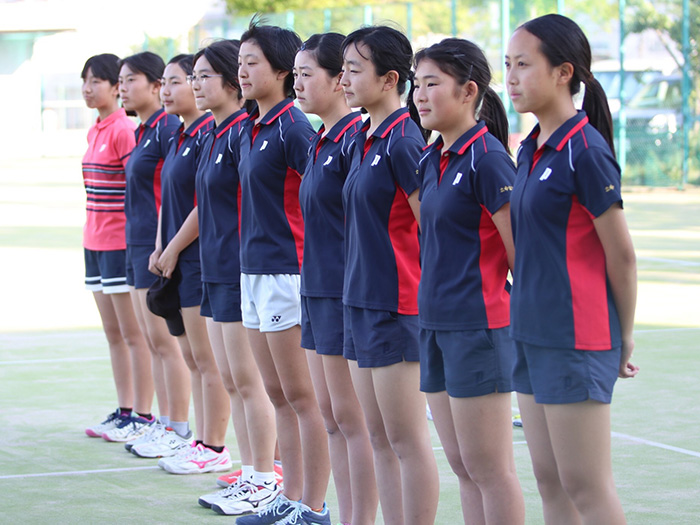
[277, 397]
[580, 490]
[549, 484]
[113, 335]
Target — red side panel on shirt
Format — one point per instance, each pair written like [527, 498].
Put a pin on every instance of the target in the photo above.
[156, 184]
[403, 234]
[292, 210]
[585, 261]
[493, 265]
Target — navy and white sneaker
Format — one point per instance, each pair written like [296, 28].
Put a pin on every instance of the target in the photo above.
[304, 515]
[276, 511]
[111, 421]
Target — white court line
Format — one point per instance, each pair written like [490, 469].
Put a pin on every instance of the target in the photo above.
[656, 444]
[55, 360]
[659, 330]
[82, 472]
[670, 261]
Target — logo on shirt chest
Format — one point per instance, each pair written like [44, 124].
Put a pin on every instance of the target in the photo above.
[376, 160]
[102, 148]
[458, 178]
[218, 159]
[546, 174]
[186, 152]
[263, 145]
[148, 141]
[328, 160]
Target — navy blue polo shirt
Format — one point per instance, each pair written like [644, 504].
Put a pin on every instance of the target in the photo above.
[218, 199]
[273, 157]
[382, 251]
[561, 296]
[321, 197]
[178, 182]
[143, 177]
[463, 260]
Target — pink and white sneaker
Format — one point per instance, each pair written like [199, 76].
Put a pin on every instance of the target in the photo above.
[202, 461]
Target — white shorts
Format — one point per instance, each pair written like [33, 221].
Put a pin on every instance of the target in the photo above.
[270, 303]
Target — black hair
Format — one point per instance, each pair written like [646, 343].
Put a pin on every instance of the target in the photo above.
[562, 40]
[150, 64]
[390, 50]
[105, 67]
[465, 61]
[223, 57]
[325, 48]
[184, 61]
[279, 46]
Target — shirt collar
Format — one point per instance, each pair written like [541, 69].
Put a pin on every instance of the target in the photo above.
[274, 113]
[563, 134]
[389, 123]
[466, 140]
[153, 119]
[230, 121]
[197, 124]
[340, 127]
[101, 124]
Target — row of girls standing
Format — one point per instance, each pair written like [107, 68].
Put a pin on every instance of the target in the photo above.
[356, 262]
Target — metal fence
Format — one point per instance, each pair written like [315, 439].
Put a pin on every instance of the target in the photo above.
[656, 126]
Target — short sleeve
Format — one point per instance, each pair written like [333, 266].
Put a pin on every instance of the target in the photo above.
[404, 156]
[296, 145]
[597, 180]
[493, 180]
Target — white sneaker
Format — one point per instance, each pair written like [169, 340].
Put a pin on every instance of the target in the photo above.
[164, 445]
[208, 500]
[154, 432]
[245, 499]
[131, 429]
[111, 421]
[205, 460]
[180, 455]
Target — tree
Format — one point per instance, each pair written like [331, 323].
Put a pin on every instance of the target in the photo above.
[276, 6]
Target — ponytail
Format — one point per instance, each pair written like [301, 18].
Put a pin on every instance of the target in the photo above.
[493, 113]
[562, 40]
[595, 104]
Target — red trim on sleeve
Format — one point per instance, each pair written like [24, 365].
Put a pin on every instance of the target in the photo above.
[403, 234]
[202, 124]
[292, 210]
[493, 266]
[157, 185]
[585, 263]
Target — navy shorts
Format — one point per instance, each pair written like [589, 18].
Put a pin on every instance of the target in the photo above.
[466, 363]
[137, 274]
[559, 376]
[322, 325]
[376, 338]
[105, 271]
[221, 302]
[190, 287]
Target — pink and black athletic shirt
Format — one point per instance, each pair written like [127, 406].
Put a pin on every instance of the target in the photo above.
[218, 201]
[321, 197]
[464, 265]
[143, 177]
[382, 250]
[561, 297]
[110, 142]
[273, 157]
[178, 182]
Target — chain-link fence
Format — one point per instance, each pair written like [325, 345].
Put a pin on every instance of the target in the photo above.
[651, 112]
